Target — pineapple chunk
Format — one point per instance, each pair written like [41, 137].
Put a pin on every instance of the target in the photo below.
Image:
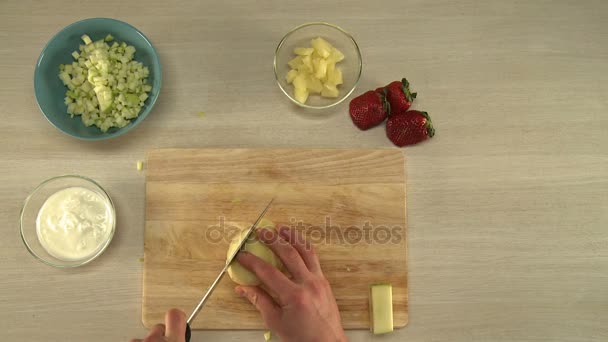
[335, 76]
[336, 55]
[301, 95]
[314, 85]
[314, 71]
[295, 63]
[300, 81]
[303, 51]
[291, 75]
[331, 65]
[330, 90]
[321, 46]
[321, 68]
[307, 64]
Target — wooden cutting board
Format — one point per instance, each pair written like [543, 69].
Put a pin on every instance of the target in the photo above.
[350, 203]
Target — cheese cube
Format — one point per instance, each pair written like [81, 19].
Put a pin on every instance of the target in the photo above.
[381, 308]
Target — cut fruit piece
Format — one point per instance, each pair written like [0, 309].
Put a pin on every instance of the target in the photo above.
[314, 71]
[335, 76]
[330, 90]
[303, 51]
[381, 308]
[291, 75]
[295, 63]
[331, 66]
[300, 81]
[267, 335]
[307, 64]
[336, 55]
[314, 85]
[240, 274]
[321, 46]
[321, 69]
[301, 95]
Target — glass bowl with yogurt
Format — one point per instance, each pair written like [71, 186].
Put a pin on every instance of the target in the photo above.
[67, 221]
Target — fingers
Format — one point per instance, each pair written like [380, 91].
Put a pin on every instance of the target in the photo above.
[276, 281]
[175, 321]
[286, 252]
[305, 248]
[262, 301]
[157, 331]
[174, 329]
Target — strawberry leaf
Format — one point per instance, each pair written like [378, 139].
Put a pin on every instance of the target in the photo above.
[405, 87]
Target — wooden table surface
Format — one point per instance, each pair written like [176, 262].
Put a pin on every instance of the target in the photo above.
[507, 205]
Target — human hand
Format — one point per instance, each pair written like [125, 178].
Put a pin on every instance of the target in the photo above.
[300, 309]
[174, 329]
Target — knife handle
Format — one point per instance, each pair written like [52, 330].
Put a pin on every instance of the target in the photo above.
[188, 332]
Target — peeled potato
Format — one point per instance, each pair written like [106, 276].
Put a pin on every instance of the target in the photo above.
[240, 274]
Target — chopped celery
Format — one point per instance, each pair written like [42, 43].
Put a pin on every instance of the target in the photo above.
[105, 85]
[86, 39]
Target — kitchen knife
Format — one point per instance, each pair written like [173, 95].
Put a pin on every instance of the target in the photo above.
[222, 272]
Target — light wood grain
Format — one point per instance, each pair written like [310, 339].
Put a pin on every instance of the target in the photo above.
[349, 203]
[507, 206]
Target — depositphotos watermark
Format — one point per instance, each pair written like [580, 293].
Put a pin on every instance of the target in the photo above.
[328, 233]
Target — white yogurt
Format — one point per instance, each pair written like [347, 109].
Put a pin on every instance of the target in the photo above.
[74, 223]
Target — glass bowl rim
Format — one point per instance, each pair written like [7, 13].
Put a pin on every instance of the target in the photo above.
[348, 35]
[79, 262]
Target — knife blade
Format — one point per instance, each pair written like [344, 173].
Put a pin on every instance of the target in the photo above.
[207, 294]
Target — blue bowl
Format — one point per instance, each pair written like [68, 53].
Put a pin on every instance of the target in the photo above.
[50, 91]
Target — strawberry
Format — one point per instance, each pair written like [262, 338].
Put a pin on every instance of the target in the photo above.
[408, 128]
[399, 95]
[369, 109]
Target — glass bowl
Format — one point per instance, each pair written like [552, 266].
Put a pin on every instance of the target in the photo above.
[33, 204]
[300, 37]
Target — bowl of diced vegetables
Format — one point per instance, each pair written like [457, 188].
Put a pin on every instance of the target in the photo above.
[97, 79]
[317, 65]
